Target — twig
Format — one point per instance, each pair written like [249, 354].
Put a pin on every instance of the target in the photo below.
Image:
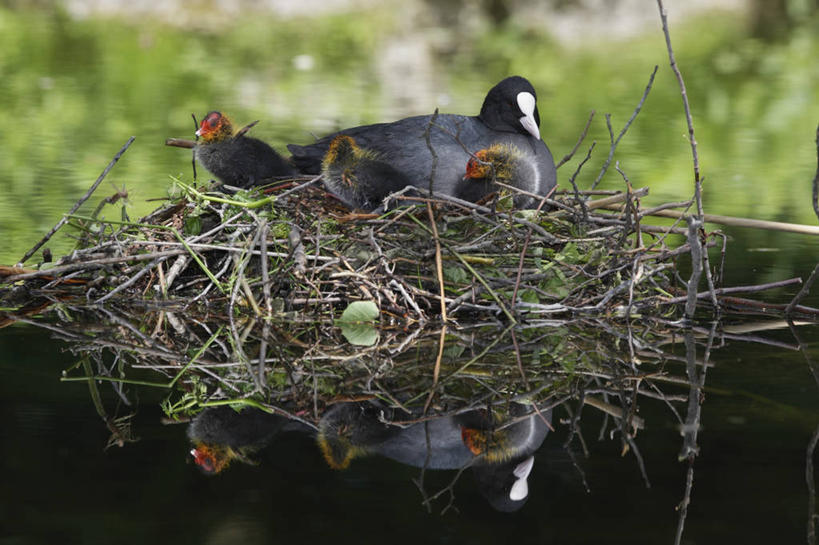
[79, 203]
[581, 202]
[692, 140]
[439, 270]
[816, 178]
[569, 155]
[180, 143]
[802, 292]
[625, 128]
[432, 152]
[696, 265]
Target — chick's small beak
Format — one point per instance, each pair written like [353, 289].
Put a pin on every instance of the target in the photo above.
[198, 132]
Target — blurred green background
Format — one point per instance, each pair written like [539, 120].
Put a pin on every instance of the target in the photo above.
[77, 79]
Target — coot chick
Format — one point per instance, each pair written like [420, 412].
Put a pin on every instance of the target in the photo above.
[357, 176]
[509, 115]
[221, 434]
[237, 160]
[502, 163]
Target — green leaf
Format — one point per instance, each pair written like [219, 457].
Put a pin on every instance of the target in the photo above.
[359, 311]
[529, 296]
[569, 254]
[193, 225]
[456, 275]
[356, 323]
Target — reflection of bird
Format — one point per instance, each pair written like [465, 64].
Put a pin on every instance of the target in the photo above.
[502, 163]
[357, 176]
[509, 115]
[221, 435]
[236, 159]
[501, 459]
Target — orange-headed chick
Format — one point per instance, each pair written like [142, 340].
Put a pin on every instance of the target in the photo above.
[236, 159]
[358, 176]
[502, 163]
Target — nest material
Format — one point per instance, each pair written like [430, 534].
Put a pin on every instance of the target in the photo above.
[294, 251]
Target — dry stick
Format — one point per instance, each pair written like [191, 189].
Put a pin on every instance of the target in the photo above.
[427, 137]
[742, 289]
[439, 270]
[803, 292]
[693, 142]
[625, 128]
[96, 264]
[79, 203]
[816, 177]
[180, 143]
[577, 199]
[729, 220]
[523, 252]
[569, 155]
[813, 517]
[193, 153]
[694, 226]
[620, 197]
[436, 371]
[265, 273]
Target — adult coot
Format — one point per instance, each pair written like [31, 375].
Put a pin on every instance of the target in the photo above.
[509, 115]
[237, 160]
[501, 458]
[357, 176]
[502, 163]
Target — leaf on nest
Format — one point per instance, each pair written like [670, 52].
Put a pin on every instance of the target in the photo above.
[356, 323]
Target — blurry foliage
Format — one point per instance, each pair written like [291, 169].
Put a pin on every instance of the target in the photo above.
[72, 91]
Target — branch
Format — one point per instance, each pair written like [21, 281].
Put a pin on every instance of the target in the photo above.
[79, 203]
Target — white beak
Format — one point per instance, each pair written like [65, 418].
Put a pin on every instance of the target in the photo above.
[198, 132]
[526, 103]
[520, 489]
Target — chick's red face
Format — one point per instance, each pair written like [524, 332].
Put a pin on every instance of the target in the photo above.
[476, 167]
[211, 125]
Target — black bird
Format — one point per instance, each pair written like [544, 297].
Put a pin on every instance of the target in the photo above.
[237, 159]
[509, 116]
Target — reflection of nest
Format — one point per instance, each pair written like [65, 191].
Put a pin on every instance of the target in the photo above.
[420, 375]
[510, 377]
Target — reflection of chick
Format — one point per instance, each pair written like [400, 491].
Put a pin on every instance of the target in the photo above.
[221, 435]
[357, 176]
[502, 163]
[236, 159]
[348, 430]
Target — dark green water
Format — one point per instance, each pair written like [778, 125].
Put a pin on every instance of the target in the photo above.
[71, 93]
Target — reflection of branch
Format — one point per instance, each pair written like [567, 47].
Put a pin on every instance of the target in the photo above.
[692, 421]
[813, 516]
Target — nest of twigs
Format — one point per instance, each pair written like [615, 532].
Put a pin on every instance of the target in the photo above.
[292, 250]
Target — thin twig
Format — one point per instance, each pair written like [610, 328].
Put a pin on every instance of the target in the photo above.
[79, 203]
[625, 128]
